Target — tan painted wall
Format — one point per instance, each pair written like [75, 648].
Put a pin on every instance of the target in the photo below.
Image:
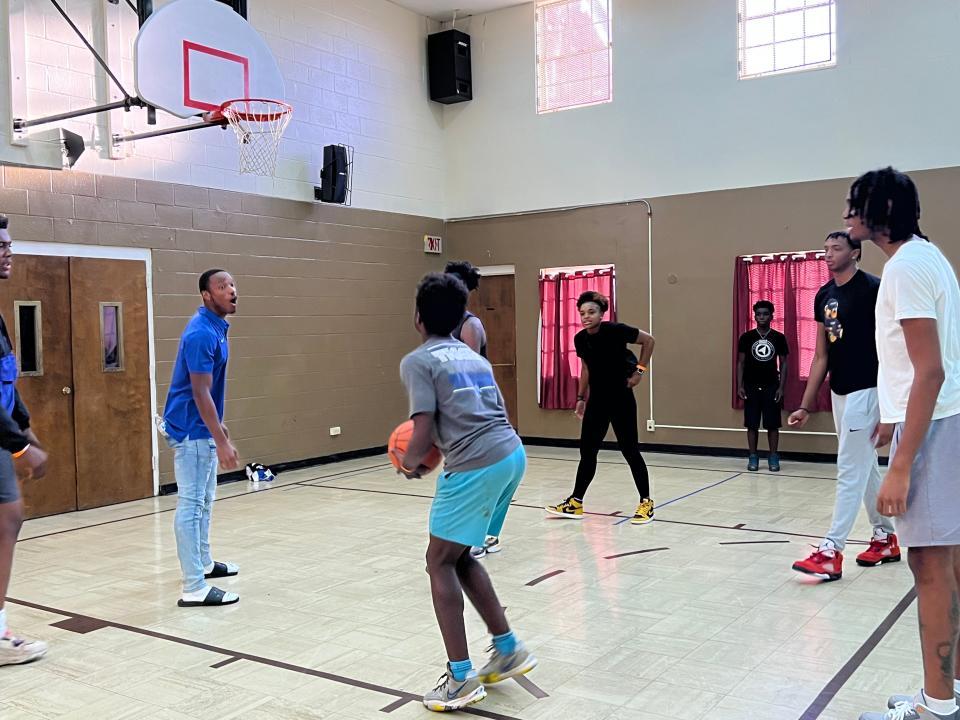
[696, 238]
[325, 297]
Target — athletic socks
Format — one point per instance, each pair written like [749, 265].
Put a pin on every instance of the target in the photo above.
[505, 644]
[3, 622]
[460, 669]
[939, 707]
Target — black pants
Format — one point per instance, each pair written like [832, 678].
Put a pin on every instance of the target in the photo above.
[618, 407]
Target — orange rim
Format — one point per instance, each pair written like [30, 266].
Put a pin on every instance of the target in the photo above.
[226, 107]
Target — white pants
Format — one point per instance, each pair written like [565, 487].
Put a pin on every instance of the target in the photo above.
[858, 475]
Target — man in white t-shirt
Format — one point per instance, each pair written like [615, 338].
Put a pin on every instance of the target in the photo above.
[918, 344]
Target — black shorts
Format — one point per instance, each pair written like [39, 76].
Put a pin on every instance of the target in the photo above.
[9, 488]
[760, 405]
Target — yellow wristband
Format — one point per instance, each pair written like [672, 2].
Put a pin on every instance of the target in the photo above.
[21, 452]
[641, 367]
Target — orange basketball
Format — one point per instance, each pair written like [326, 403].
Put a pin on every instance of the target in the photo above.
[397, 445]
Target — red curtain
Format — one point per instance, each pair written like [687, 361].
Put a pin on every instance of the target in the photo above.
[790, 282]
[559, 322]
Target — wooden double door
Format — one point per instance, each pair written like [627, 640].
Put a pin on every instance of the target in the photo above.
[494, 303]
[79, 329]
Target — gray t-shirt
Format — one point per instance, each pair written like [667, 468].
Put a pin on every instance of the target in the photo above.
[445, 377]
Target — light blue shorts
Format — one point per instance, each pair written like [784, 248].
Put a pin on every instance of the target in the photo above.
[472, 504]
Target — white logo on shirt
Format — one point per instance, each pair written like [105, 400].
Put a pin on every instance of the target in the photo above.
[763, 350]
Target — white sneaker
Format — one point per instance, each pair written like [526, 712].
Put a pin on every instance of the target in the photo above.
[16, 650]
[490, 545]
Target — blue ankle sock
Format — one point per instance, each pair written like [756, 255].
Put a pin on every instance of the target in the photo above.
[460, 669]
[506, 643]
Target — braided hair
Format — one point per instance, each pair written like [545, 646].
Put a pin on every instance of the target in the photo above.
[887, 200]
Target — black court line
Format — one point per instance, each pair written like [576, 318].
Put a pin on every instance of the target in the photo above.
[752, 542]
[394, 705]
[233, 655]
[830, 690]
[531, 687]
[227, 497]
[537, 581]
[634, 552]
[224, 663]
[684, 467]
[740, 526]
[690, 494]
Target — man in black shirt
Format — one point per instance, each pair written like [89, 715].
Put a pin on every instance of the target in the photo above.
[760, 383]
[20, 457]
[847, 349]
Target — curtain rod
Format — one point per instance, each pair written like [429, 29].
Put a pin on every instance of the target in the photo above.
[781, 252]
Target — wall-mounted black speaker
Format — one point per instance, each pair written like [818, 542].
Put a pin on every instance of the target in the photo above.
[239, 6]
[335, 175]
[448, 63]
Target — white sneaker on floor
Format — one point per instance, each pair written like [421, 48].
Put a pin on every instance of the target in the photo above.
[17, 650]
[490, 545]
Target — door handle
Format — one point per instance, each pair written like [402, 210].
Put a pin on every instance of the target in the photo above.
[67, 391]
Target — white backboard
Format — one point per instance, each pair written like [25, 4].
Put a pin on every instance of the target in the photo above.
[192, 55]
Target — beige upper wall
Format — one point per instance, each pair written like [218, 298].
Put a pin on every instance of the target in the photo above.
[680, 120]
[695, 237]
[325, 297]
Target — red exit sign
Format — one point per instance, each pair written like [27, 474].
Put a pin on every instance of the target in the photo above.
[432, 244]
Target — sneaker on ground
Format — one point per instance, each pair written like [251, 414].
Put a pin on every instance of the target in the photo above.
[571, 508]
[773, 462]
[17, 650]
[492, 544]
[452, 694]
[753, 463]
[884, 548]
[502, 667]
[825, 563]
[897, 699]
[644, 513]
[912, 709]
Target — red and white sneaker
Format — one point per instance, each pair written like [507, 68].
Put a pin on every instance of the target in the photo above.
[826, 563]
[16, 650]
[883, 548]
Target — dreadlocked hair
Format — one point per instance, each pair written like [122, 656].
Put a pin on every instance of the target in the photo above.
[887, 199]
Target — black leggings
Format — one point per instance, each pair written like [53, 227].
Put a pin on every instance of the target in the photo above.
[620, 409]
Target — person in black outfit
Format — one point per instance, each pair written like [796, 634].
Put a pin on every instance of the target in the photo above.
[760, 383]
[610, 371]
[470, 331]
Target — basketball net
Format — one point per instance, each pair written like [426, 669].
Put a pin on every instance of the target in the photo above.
[258, 125]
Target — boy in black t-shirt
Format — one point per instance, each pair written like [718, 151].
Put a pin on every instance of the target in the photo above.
[846, 349]
[760, 383]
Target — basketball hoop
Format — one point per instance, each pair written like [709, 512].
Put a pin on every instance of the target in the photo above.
[258, 125]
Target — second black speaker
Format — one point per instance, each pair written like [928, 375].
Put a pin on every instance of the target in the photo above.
[448, 61]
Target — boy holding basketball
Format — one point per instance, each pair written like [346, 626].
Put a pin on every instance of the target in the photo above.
[456, 405]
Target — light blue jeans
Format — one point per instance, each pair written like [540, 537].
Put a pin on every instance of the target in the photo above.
[195, 468]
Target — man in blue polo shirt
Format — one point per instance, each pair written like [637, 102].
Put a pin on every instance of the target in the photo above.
[193, 424]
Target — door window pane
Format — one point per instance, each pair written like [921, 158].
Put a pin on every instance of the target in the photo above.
[29, 337]
[111, 336]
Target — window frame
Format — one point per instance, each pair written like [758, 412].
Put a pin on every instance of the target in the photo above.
[805, 67]
[38, 333]
[122, 366]
[537, 55]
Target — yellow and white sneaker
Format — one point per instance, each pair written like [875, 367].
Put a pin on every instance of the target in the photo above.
[644, 513]
[569, 508]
